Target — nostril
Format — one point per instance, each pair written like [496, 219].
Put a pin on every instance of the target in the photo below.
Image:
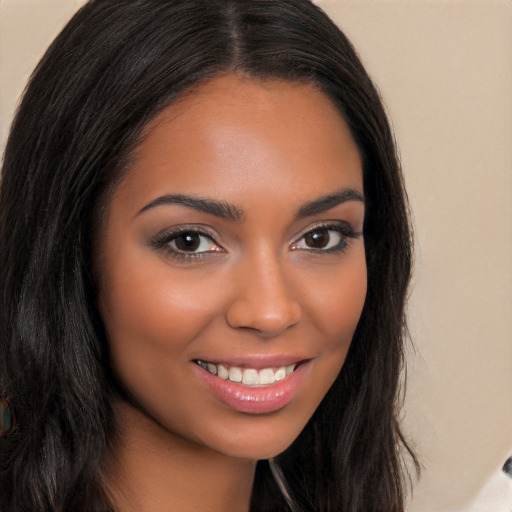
[265, 319]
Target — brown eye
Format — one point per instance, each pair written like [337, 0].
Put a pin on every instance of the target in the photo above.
[188, 242]
[318, 238]
[327, 238]
[192, 243]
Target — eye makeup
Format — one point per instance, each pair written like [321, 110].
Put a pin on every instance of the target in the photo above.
[186, 242]
[332, 237]
[192, 242]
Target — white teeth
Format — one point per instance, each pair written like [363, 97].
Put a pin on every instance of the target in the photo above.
[235, 374]
[280, 374]
[266, 376]
[248, 376]
[222, 371]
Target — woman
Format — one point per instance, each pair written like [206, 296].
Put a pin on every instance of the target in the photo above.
[204, 262]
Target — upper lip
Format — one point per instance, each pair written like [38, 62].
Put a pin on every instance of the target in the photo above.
[256, 361]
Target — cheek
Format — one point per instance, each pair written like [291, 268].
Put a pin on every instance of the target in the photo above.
[335, 305]
[338, 300]
[144, 300]
[153, 318]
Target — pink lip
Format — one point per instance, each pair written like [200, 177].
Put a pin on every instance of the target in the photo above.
[255, 400]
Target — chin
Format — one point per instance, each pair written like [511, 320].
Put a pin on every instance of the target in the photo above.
[257, 437]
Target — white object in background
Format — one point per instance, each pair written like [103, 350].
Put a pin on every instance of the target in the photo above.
[495, 496]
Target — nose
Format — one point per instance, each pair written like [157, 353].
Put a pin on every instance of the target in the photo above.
[262, 301]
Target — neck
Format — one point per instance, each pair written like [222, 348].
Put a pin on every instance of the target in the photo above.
[155, 470]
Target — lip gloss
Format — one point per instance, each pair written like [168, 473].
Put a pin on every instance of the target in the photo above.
[255, 399]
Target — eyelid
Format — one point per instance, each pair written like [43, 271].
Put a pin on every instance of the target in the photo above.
[328, 224]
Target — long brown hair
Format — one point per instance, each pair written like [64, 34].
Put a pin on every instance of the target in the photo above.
[112, 69]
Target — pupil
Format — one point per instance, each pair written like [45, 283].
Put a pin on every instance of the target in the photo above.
[188, 242]
[318, 238]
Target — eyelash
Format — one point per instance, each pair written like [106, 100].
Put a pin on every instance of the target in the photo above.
[346, 232]
[163, 240]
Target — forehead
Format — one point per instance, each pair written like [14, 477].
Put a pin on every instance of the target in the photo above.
[233, 133]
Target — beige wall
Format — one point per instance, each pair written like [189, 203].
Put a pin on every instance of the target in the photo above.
[445, 71]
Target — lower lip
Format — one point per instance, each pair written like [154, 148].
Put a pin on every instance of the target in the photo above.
[255, 400]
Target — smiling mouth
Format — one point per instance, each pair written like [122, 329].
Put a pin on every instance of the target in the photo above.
[248, 376]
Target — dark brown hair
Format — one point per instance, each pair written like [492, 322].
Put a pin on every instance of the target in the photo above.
[111, 70]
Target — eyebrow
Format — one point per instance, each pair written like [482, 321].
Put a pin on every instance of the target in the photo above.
[329, 201]
[229, 211]
[218, 208]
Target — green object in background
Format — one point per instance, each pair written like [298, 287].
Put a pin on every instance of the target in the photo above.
[6, 417]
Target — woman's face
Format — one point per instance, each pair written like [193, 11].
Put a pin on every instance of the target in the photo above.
[232, 251]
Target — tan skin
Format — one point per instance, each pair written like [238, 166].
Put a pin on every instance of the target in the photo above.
[284, 280]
